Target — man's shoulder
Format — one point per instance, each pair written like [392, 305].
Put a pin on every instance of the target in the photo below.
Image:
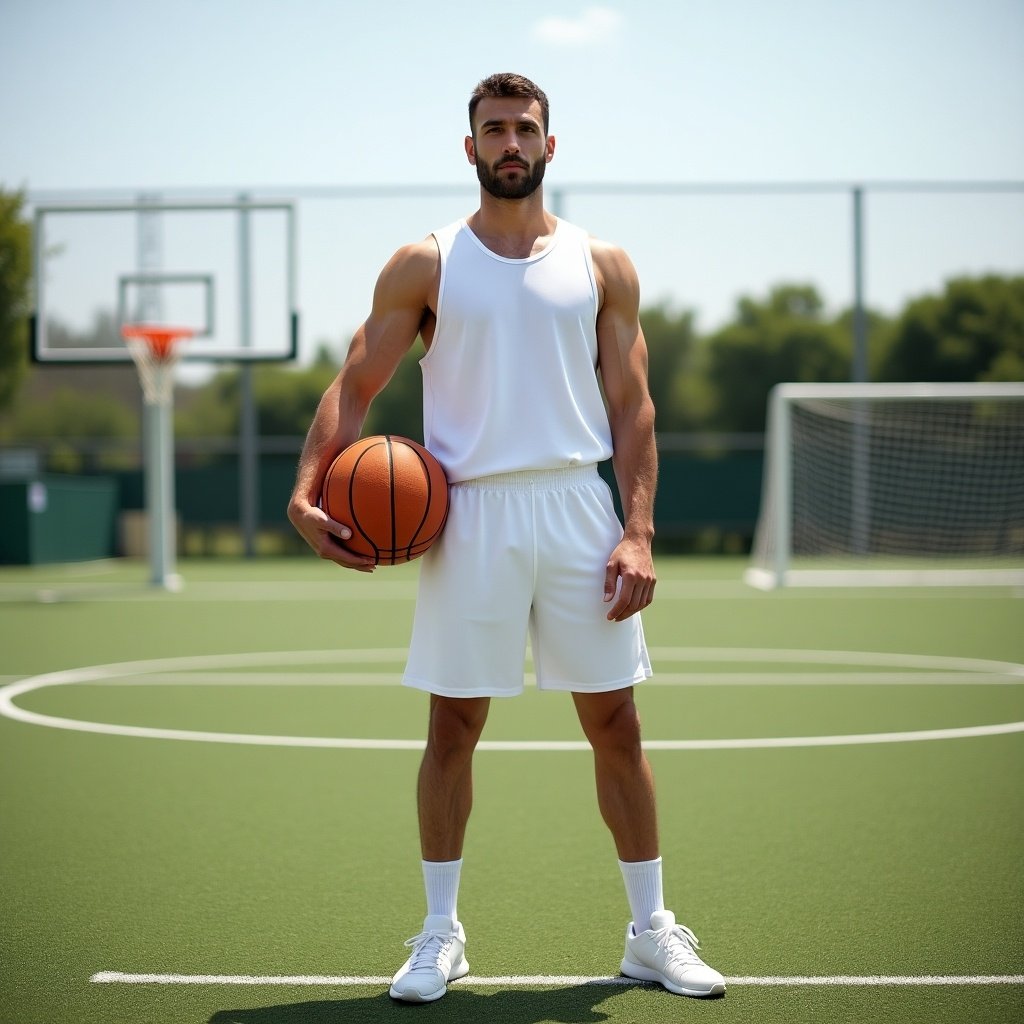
[414, 260]
[605, 251]
[409, 276]
[422, 252]
[611, 263]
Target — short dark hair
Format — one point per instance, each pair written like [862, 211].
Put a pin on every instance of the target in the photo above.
[507, 84]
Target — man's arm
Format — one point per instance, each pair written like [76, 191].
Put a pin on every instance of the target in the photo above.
[622, 355]
[401, 299]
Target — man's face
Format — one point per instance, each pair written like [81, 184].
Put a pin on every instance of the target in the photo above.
[508, 147]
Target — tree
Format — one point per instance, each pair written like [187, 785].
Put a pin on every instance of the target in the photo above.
[973, 331]
[69, 416]
[286, 400]
[879, 338]
[671, 342]
[15, 277]
[398, 409]
[783, 338]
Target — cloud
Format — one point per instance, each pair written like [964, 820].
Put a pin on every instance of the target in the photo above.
[594, 25]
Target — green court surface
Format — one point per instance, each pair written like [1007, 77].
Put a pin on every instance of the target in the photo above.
[207, 805]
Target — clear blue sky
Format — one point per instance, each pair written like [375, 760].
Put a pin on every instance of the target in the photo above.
[229, 94]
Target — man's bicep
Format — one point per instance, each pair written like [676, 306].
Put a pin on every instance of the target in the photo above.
[622, 354]
[400, 303]
[377, 348]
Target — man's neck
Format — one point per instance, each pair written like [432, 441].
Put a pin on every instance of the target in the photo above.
[514, 228]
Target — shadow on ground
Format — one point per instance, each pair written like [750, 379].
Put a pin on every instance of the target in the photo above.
[574, 1005]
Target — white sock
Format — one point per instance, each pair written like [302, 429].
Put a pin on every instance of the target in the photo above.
[643, 890]
[441, 879]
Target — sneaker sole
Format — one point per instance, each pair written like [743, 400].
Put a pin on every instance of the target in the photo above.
[640, 973]
[414, 997]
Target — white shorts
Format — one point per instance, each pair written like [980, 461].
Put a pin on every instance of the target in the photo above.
[523, 553]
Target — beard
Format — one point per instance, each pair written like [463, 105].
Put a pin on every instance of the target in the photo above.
[511, 188]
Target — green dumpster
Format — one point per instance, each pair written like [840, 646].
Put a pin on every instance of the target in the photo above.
[57, 519]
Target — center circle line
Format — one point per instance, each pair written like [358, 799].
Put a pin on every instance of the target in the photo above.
[252, 659]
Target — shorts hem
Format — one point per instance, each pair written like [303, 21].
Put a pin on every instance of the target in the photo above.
[563, 686]
[559, 686]
[447, 691]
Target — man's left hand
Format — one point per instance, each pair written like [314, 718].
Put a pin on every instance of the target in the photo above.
[629, 579]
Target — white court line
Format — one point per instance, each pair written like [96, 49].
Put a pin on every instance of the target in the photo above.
[255, 659]
[214, 592]
[543, 980]
[352, 678]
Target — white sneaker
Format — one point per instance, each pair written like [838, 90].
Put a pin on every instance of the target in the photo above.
[438, 956]
[667, 953]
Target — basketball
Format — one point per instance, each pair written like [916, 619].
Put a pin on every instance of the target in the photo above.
[392, 493]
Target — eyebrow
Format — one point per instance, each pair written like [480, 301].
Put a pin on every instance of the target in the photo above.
[499, 121]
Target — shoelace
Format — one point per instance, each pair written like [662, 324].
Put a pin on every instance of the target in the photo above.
[683, 949]
[428, 949]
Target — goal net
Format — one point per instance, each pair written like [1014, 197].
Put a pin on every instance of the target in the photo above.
[892, 484]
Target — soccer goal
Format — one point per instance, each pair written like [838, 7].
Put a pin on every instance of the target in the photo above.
[892, 485]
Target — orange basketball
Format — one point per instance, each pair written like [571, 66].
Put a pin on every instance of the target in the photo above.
[392, 493]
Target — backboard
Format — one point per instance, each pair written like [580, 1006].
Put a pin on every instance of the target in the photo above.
[224, 270]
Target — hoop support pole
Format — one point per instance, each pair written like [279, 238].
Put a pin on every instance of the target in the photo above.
[160, 489]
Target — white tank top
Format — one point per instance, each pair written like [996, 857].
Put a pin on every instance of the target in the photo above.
[510, 378]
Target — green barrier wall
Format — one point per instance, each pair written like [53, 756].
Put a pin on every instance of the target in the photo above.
[707, 491]
[58, 519]
[695, 492]
[698, 491]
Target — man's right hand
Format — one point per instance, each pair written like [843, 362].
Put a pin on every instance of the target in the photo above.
[326, 536]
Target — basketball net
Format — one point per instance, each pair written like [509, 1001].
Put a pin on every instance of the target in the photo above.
[155, 352]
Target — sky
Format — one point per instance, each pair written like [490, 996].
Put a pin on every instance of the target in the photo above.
[215, 97]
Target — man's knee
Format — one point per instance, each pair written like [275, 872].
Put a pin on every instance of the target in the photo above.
[611, 722]
[455, 725]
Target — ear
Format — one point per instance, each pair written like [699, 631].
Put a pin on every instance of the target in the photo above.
[470, 150]
[549, 149]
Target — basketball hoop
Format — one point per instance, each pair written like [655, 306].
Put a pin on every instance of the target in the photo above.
[154, 349]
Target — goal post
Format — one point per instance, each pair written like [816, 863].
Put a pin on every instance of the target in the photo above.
[892, 485]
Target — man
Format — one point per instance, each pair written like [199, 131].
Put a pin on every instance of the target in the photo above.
[525, 319]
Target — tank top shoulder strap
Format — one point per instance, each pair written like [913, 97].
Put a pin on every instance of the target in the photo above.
[445, 237]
